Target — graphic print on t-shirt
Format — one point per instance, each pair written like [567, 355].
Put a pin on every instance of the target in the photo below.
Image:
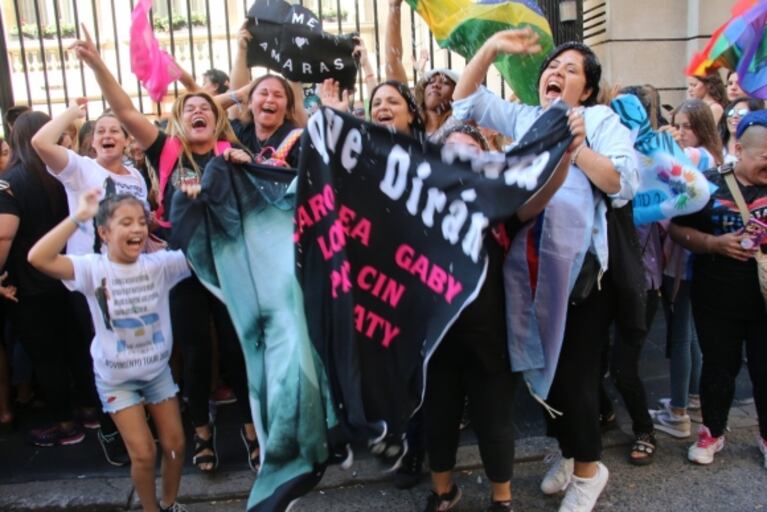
[128, 308]
[102, 296]
[185, 176]
[725, 215]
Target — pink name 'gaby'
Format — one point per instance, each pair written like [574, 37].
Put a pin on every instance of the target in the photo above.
[432, 275]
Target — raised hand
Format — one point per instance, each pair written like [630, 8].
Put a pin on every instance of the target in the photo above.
[360, 52]
[516, 42]
[81, 104]
[244, 37]
[88, 205]
[329, 95]
[85, 49]
[423, 60]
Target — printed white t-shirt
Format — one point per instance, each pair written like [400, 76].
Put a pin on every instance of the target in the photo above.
[82, 174]
[130, 312]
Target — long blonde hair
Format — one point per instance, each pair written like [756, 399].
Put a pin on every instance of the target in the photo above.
[222, 131]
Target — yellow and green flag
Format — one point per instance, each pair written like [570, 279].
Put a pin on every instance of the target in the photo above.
[463, 25]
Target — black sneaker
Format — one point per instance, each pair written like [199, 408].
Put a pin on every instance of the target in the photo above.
[443, 502]
[499, 506]
[410, 472]
[114, 449]
[176, 507]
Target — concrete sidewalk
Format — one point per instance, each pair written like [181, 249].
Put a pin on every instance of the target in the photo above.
[116, 493]
[78, 478]
[735, 482]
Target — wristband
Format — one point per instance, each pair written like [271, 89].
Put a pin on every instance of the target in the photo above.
[234, 98]
[80, 225]
[575, 154]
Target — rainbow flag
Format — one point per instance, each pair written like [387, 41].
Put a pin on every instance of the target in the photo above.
[739, 45]
[464, 25]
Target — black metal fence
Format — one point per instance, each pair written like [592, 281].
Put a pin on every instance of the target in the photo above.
[37, 70]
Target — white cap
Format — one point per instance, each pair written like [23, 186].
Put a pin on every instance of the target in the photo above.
[452, 75]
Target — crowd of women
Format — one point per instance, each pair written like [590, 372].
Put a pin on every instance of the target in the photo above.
[61, 315]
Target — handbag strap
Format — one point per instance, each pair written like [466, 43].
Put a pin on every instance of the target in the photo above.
[728, 173]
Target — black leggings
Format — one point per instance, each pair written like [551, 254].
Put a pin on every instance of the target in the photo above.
[575, 389]
[721, 342]
[491, 400]
[59, 349]
[624, 366]
[191, 308]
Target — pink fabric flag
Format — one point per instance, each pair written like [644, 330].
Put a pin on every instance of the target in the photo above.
[154, 67]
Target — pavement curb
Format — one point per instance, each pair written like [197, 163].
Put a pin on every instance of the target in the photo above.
[102, 494]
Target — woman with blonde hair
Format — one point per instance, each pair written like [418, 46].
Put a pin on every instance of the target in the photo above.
[197, 131]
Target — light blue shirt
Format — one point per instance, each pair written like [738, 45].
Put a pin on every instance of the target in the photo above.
[573, 222]
[604, 133]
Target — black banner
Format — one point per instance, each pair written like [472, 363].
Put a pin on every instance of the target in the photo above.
[289, 39]
[389, 250]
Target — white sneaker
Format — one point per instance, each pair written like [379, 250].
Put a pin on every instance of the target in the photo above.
[763, 449]
[558, 476]
[702, 452]
[693, 402]
[675, 425]
[583, 493]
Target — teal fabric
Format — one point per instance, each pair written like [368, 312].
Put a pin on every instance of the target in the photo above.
[239, 241]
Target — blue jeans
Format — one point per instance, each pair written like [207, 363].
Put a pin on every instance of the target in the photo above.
[684, 352]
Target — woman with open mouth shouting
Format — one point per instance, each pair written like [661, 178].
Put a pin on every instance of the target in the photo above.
[79, 174]
[268, 119]
[197, 131]
[573, 226]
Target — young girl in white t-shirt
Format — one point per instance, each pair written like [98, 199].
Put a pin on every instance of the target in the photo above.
[127, 293]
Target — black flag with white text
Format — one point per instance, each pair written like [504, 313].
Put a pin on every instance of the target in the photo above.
[389, 249]
[289, 39]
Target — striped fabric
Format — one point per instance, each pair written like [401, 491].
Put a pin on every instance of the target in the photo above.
[738, 45]
[464, 25]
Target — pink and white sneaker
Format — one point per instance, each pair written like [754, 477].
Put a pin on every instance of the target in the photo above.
[703, 451]
[763, 449]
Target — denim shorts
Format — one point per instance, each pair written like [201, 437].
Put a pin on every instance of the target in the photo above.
[134, 392]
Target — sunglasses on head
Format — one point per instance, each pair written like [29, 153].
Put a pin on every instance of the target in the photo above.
[741, 112]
